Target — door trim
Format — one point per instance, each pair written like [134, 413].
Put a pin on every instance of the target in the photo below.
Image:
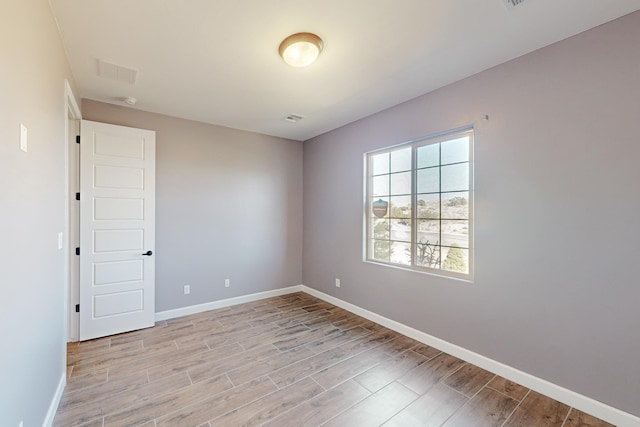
[71, 112]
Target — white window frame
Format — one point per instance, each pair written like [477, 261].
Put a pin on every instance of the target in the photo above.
[368, 178]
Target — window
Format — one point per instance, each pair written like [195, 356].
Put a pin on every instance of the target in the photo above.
[419, 205]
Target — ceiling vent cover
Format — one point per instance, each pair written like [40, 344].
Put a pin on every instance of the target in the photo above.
[510, 4]
[293, 118]
[117, 72]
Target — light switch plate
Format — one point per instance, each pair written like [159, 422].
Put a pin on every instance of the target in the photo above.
[60, 240]
[23, 137]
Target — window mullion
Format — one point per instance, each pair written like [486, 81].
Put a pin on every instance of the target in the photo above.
[414, 202]
[369, 197]
[439, 266]
[389, 210]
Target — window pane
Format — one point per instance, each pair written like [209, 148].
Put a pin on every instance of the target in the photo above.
[380, 163]
[455, 233]
[456, 150]
[380, 185]
[381, 250]
[455, 205]
[400, 207]
[428, 231]
[401, 229]
[428, 180]
[401, 160]
[428, 155]
[455, 259]
[401, 253]
[401, 183]
[428, 206]
[455, 177]
[427, 255]
[380, 228]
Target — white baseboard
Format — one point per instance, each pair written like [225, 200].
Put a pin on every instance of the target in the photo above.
[53, 407]
[193, 309]
[561, 394]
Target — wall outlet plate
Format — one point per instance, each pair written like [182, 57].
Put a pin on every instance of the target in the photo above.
[187, 289]
[227, 283]
[337, 283]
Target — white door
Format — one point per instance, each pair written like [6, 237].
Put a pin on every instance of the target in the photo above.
[117, 229]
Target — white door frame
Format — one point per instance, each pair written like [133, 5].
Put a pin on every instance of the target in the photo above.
[72, 224]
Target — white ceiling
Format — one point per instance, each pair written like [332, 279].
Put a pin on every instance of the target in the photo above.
[216, 61]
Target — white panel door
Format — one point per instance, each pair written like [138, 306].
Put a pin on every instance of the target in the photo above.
[117, 229]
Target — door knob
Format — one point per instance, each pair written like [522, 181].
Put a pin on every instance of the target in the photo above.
[148, 253]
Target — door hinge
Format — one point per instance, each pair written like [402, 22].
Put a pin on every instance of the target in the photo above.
[77, 308]
[77, 196]
[77, 139]
[77, 251]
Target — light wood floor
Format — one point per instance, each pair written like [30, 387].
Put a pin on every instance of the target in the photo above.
[288, 361]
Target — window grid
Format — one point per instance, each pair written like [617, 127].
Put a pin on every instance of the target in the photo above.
[389, 240]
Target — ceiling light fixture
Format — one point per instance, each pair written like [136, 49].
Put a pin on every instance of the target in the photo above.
[300, 49]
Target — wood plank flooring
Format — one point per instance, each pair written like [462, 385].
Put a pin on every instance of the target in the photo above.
[292, 361]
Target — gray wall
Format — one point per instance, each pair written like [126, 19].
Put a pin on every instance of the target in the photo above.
[33, 67]
[228, 205]
[556, 289]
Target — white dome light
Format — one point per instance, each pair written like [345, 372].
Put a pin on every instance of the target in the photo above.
[301, 49]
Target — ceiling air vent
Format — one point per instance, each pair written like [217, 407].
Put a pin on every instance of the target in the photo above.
[510, 4]
[117, 72]
[293, 118]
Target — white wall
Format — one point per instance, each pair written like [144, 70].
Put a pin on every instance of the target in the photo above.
[556, 234]
[33, 67]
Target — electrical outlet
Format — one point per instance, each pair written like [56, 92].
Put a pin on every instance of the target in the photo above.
[227, 283]
[187, 289]
[60, 240]
[337, 283]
